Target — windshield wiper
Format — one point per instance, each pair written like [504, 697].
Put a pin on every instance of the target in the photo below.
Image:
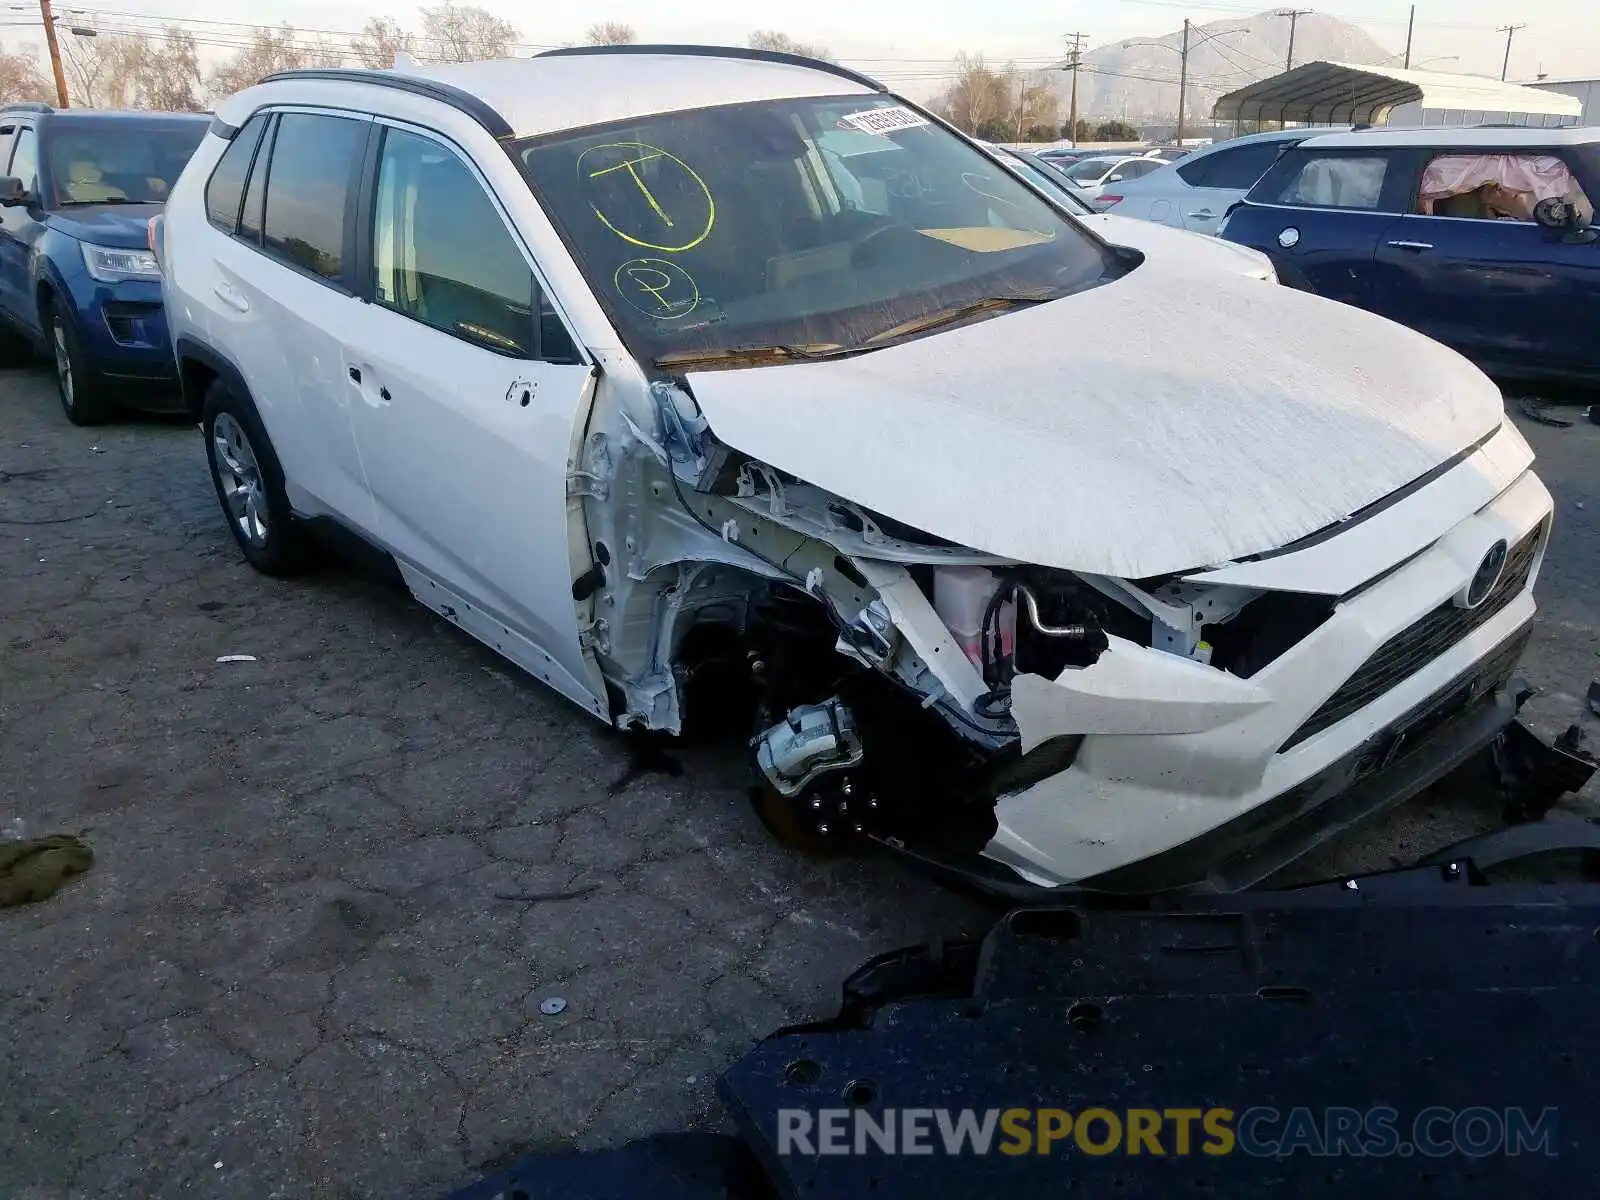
[949, 316]
[752, 354]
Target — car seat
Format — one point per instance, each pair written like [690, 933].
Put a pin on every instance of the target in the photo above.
[87, 185]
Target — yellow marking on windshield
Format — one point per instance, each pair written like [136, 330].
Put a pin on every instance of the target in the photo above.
[987, 239]
[684, 208]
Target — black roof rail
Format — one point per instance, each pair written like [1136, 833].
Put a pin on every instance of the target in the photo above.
[484, 114]
[26, 106]
[775, 56]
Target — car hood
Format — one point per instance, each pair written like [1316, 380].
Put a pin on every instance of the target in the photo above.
[1175, 418]
[1149, 237]
[121, 226]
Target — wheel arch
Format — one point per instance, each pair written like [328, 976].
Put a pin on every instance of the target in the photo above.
[199, 366]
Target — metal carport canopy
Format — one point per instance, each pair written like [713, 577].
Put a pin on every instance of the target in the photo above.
[1346, 93]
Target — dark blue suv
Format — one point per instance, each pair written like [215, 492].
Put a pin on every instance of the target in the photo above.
[77, 278]
[1481, 238]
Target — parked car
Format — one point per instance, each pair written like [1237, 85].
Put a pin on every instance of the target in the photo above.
[1438, 229]
[1034, 558]
[1197, 191]
[1143, 236]
[77, 279]
[1092, 176]
[1064, 155]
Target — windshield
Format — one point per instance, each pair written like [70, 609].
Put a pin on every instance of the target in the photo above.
[815, 224]
[121, 162]
[1090, 169]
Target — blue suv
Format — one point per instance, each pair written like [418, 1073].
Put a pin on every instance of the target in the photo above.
[1481, 238]
[77, 278]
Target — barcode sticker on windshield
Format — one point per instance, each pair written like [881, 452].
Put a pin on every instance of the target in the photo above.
[883, 120]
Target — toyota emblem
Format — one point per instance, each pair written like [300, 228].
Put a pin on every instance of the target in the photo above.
[1487, 574]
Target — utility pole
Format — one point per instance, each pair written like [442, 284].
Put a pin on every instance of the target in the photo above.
[1294, 15]
[1411, 23]
[55, 51]
[1074, 55]
[1509, 31]
[1183, 79]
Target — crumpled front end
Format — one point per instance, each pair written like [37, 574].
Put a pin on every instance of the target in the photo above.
[1066, 726]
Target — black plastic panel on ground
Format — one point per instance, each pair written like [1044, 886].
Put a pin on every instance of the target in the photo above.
[1403, 655]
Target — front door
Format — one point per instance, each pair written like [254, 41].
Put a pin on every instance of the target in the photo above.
[468, 399]
[19, 229]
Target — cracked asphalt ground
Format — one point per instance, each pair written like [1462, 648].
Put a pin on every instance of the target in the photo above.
[310, 958]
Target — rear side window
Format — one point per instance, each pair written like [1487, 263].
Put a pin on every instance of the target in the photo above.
[1331, 181]
[1136, 170]
[255, 193]
[1236, 169]
[316, 161]
[225, 188]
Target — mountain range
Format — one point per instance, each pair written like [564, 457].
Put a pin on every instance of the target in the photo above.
[1137, 79]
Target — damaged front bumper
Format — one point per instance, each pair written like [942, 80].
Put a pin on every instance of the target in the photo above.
[1189, 777]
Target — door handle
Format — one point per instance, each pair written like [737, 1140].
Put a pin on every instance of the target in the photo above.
[1417, 246]
[231, 298]
[1205, 214]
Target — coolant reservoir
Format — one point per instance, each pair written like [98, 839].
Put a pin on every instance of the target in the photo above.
[961, 596]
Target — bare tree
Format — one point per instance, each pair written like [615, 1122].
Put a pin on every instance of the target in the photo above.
[169, 73]
[269, 51]
[979, 96]
[771, 39]
[102, 72]
[464, 33]
[22, 79]
[380, 39]
[610, 33]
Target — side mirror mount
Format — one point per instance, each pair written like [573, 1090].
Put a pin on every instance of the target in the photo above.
[1552, 213]
[12, 193]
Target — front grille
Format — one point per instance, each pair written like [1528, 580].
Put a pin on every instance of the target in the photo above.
[1403, 655]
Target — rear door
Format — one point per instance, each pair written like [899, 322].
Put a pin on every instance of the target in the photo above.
[283, 281]
[1321, 214]
[469, 397]
[1212, 183]
[1505, 291]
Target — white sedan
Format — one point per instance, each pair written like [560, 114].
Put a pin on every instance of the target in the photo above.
[1093, 176]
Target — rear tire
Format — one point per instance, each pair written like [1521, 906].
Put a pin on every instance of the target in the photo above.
[249, 485]
[82, 391]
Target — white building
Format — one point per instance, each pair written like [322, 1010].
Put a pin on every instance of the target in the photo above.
[1586, 91]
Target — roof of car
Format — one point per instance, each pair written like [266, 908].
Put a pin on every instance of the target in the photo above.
[583, 86]
[1461, 136]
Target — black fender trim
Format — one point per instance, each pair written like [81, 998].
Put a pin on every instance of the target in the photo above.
[192, 349]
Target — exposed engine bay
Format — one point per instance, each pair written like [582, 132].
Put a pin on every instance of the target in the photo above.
[871, 668]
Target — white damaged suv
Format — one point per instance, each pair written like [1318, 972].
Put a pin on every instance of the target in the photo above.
[717, 386]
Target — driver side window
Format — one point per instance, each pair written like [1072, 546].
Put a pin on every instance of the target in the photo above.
[442, 255]
[25, 161]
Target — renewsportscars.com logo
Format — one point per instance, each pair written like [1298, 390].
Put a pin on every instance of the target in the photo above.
[1260, 1132]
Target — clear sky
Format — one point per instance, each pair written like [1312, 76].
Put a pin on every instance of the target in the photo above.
[908, 43]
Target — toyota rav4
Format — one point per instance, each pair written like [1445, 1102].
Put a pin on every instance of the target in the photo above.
[710, 383]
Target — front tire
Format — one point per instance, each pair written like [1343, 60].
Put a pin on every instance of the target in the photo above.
[82, 391]
[249, 485]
